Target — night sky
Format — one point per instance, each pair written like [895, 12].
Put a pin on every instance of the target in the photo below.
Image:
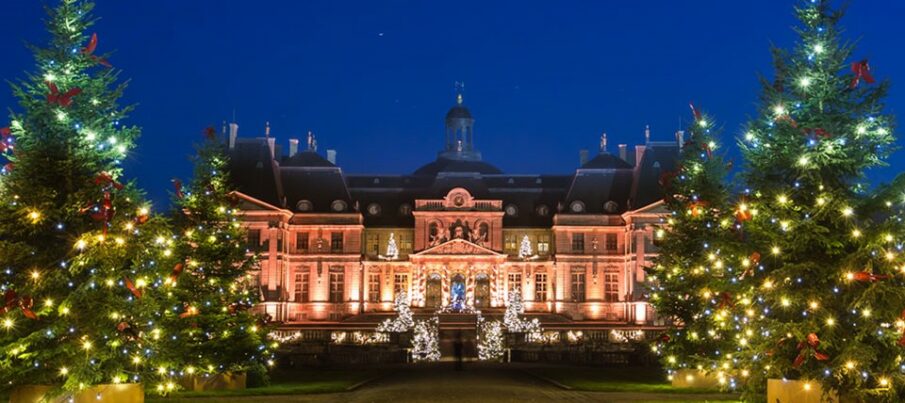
[373, 81]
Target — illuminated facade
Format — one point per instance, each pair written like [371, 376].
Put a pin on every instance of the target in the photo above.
[336, 248]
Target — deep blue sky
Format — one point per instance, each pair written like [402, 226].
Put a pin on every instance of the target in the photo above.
[373, 79]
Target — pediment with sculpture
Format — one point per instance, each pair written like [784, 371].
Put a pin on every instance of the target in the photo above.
[458, 247]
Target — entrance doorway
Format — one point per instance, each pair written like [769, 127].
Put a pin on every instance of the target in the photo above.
[482, 291]
[457, 292]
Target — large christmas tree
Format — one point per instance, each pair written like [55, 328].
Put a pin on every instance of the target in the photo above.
[694, 278]
[828, 295]
[78, 248]
[208, 320]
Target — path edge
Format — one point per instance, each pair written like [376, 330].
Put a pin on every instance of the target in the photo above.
[548, 380]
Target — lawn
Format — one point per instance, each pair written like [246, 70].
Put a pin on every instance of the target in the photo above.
[631, 379]
[284, 383]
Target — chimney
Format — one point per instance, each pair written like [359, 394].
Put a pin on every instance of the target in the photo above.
[582, 157]
[271, 144]
[623, 152]
[639, 155]
[331, 156]
[233, 133]
[680, 138]
[293, 147]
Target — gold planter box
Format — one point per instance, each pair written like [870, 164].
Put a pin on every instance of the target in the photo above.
[693, 378]
[106, 393]
[224, 381]
[788, 391]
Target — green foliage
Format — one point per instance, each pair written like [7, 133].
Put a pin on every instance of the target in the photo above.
[210, 327]
[825, 301]
[78, 250]
[694, 277]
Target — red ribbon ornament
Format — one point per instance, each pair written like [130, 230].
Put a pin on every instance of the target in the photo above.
[742, 216]
[788, 119]
[817, 132]
[134, 290]
[862, 71]
[64, 100]
[104, 179]
[807, 348]
[177, 270]
[697, 206]
[13, 301]
[695, 112]
[5, 132]
[865, 276]
[210, 133]
[89, 51]
[177, 186]
[725, 300]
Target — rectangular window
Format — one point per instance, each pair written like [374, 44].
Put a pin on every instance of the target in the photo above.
[515, 282]
[372, 244]
[611, 286]
[611, 242]
[374, 287]
[540, 287]
[578, 276]
[301, 286]
[336, 241]
[577, 242]
[510, 243]
[400, 283]
[301, 242]
[543, 244]
[254, 239]
[337, 284]
[405, 244]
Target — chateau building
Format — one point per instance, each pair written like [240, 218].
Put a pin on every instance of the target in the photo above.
[457, 233]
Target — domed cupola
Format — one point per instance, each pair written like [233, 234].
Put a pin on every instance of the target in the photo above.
[460, 131]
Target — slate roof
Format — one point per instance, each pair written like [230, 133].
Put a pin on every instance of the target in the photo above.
[284, 181]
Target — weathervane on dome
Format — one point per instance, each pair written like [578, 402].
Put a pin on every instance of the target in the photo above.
[460, 91]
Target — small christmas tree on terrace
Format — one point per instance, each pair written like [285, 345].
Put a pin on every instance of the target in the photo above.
[524, 249]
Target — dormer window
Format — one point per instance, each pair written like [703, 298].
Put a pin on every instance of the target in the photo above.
[577, 206]
[338, 206]
[511, 210]
[304, 205]
[373, 209]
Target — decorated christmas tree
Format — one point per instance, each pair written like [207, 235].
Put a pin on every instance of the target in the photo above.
[694, 277]
[210, 326]
[491, 346]
[78, 248]
[513, 320]
[392, 249]
[403, 321]
[425, 346]
[524, 249]
[828, 296]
